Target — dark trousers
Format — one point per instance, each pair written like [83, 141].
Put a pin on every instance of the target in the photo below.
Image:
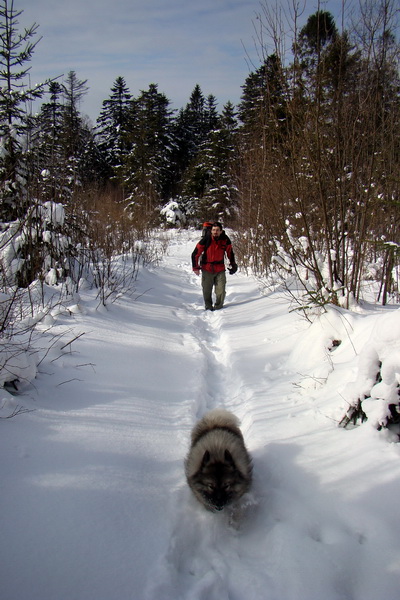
[210, 281]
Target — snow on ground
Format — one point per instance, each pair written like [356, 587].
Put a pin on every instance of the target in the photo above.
[94, 504]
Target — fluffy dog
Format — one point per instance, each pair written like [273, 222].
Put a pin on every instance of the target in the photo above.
[218, 467]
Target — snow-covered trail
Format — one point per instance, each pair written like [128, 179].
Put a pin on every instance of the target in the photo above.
[94, 503]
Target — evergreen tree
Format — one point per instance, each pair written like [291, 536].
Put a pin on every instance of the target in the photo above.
[253, 98]
[73, 92]
[189, 132]
[262, 109]
[197, 120]
[179, 151]
[325, 60]
[47, 151]
[224, 142]
[113, 124]
[65, 153]
[319, 31]
[77, 136]
[16, 49]
[145, 168]
[209, 189]
[211, 114]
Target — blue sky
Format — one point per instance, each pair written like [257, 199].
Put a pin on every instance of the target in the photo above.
[173, 43]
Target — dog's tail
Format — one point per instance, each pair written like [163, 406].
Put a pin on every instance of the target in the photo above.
[218, 418]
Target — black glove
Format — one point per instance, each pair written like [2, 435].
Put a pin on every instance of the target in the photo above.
[233, 269]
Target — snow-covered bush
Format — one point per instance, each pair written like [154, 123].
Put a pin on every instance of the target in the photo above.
[172, 214]
[375, 392]
[33, 246]
[17, 362]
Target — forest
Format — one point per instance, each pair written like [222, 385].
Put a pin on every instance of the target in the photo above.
[304, 170]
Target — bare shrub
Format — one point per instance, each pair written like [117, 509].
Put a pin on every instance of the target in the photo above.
[319, 159]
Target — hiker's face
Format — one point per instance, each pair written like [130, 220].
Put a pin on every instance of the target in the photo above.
[215, 232]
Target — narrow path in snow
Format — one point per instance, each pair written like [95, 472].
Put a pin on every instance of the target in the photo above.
[205, 554]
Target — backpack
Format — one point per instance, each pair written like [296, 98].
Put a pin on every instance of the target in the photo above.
[206, 234]
[206, 230]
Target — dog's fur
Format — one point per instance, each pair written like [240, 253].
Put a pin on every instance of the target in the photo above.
[218, 467]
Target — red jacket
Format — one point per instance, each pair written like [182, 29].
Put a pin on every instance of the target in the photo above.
[213, 254]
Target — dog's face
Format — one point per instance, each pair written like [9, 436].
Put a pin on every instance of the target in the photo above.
[218, 483]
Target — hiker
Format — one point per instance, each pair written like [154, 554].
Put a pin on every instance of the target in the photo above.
[211, 251]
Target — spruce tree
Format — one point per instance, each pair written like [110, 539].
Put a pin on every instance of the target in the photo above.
[189, 131]
[224, 143]
[192, 129]
[145, 169]
[113, 124]
[80, 152]
[65, 153]
[209, 190]
[253, 97]
[16, 49]
[198, 125]
[211, 114]
[47, 151]
[73, 92]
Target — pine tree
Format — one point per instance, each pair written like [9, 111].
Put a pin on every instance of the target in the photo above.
[191, 156]
[253, 98]
[80, 151]
[47, 151]
[64, 154]
[113, 124]
[209, 190]
[73, 92]
[189, 132]
[211, 114]
[16, 49]
[222, 194]
[145, 168]
[263, 102]
[197, 120]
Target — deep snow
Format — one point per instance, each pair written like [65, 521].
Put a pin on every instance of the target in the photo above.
[94, 504]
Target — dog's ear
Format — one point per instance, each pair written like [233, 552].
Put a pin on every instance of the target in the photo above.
[228, 458]
[206, 459]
